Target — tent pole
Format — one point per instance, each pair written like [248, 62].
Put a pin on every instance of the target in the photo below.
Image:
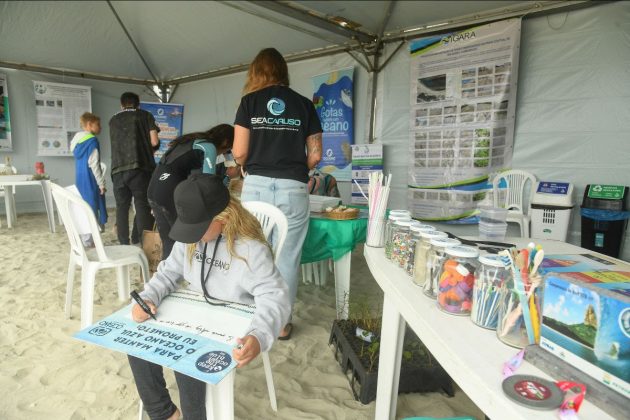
[122, 25]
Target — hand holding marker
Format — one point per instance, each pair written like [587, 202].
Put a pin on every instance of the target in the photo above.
[135, 296]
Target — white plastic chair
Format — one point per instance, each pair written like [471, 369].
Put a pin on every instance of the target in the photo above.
[517, 196]
[10, 207]
[78, 218]
[270, 217]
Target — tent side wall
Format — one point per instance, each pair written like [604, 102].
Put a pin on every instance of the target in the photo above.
[573, 106]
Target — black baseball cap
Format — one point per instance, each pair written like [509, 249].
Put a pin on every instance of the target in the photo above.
[198, 200]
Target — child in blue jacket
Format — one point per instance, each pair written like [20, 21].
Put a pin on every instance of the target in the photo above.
[90, 180]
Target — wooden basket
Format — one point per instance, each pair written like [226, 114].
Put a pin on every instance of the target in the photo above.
[347, 214]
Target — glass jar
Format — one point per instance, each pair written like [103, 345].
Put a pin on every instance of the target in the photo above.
[391, 219]
[421, 253]
[490, 277]
[435, 258]
[511, 327]
[416, 229]
[401, 236]
[457, 278]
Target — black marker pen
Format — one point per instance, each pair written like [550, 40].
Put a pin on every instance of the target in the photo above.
[135, 296]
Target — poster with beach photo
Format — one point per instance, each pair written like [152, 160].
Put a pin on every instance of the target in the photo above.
[5, 116]
[463, 102]
[189, 335]
[58, 107]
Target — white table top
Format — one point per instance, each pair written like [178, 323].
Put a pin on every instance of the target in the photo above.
[18, 179]
[471, 355]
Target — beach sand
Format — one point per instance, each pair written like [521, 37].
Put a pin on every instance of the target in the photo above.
[47, 374]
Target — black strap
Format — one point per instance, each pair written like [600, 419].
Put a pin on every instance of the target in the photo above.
[207, 296]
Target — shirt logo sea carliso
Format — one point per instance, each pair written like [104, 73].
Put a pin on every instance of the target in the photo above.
[275, 106]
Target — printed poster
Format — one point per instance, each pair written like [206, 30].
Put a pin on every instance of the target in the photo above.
[333, 99]
[366, 159]
[170, 119]
[190, 336]
[59, 107]
[463, 102]
[5, 117]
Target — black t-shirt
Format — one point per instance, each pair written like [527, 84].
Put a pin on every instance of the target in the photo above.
[279, 121]
[174, 167]
[131, 141]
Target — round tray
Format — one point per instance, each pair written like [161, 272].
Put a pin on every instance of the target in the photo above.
[345, 215]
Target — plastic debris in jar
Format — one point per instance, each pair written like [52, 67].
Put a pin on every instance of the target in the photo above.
[420, 273]
[457, 278]
[511, 327]
[391, 219]
[401, 237]
[435, 257]
[490, 277]
[416, 229]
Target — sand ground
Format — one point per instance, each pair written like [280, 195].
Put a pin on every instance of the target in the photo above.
[47, 374]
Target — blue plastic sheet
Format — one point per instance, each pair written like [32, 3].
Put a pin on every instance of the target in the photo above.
[605, 215]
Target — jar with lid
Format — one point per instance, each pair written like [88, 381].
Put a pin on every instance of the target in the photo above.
[490, 277]
[435, 258]
[457, 278]
[422, 249]
[401, 236]
[416, 229]
[391, 219]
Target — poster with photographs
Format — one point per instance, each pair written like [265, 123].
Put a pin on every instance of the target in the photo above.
[463, 101]
[5, 117]
[59, 107]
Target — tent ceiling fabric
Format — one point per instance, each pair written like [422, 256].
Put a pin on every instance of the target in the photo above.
[182, 38]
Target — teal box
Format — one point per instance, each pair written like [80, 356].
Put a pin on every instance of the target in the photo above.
[586, 322]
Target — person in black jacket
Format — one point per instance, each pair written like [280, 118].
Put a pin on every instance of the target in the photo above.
[194, 152]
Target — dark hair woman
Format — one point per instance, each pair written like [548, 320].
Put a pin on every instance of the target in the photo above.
[278, 138]
[190, 153]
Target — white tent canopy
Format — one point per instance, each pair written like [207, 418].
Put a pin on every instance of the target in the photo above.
[179, 39]
[573, 100]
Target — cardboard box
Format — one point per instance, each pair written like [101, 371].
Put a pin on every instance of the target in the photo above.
[586, 322]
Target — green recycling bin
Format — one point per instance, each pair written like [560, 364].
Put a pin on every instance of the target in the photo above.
[604, 218]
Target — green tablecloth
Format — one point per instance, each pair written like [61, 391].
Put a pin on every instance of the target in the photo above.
[328, 238]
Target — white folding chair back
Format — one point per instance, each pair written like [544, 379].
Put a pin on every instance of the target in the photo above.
[9, 207]
[78, 218]
[516, 197]
[270, 217]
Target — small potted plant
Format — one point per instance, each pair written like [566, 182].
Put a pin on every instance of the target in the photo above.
[356, 343]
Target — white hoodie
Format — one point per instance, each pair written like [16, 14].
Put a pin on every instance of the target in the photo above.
[253, 281]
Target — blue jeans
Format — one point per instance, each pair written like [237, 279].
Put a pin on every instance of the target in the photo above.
[291, 198]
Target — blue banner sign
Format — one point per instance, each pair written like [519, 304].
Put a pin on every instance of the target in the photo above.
[170, 119]
[333, 99]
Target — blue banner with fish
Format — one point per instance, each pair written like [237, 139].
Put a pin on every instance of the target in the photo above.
[333, 93]
[170, 119]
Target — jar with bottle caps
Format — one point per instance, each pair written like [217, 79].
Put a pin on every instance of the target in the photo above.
[435, 258]
[391, 219]
[457, 278]
[401, 237]
[490, 277]
[422, 250]
[416, 229]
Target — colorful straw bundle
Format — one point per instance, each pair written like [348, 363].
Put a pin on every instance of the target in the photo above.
[378, 194]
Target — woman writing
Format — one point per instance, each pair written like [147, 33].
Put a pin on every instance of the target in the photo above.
[186, 154]
[277, 139]
[212, 229]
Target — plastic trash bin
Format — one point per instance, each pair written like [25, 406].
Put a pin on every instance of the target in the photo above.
[551, 208]
[604, 218]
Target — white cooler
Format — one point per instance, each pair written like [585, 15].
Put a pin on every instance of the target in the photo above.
[550, 210]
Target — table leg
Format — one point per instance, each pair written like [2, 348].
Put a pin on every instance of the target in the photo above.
[392, 336]
[220, 399]
[9, 205]
[342, 284]
[48, 202]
